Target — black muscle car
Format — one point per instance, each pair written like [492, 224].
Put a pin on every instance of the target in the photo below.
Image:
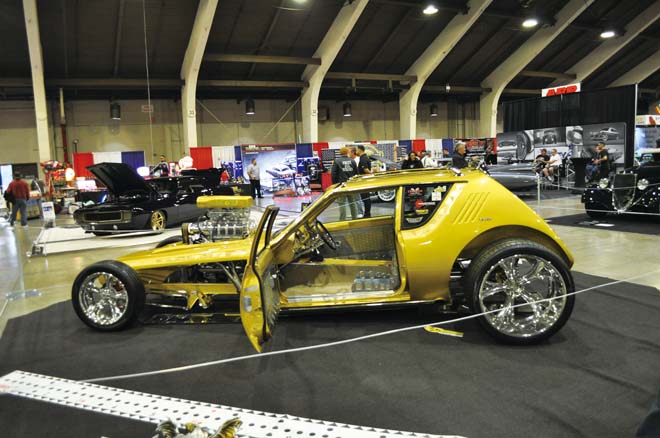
[136, 204]
[635, 190]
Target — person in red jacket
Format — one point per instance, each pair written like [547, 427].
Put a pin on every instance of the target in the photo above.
[20, 191]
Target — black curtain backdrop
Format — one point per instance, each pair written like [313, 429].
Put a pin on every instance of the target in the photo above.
[608, 105]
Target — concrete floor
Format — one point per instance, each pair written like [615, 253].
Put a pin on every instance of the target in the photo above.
[605, 253]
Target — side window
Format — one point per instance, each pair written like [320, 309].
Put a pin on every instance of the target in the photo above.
[420, 202]
[351, 207]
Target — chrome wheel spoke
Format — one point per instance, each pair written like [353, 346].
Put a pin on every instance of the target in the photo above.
[517, 302]
[103, 298]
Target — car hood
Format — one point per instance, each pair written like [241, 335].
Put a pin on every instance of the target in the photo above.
[119, 178]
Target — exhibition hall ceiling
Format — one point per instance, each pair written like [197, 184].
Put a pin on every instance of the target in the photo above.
[105, 40]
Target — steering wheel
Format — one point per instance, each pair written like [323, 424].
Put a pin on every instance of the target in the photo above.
[325, 235]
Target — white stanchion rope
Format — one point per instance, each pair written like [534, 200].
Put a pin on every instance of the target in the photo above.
[352, 340]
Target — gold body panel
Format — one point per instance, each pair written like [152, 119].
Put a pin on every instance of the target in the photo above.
[475, 212]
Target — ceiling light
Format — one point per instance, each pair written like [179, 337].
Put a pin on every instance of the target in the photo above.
[249, 107]
[430, 10]
[530, 22]
[347, 110]
[447, 88]
[115, 111]
[434, 110]
[608, 34]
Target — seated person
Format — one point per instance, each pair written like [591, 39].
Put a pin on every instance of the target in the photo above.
[552, 165]
[541, 160]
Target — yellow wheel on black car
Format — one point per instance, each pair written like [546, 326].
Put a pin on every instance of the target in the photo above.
[158, 221]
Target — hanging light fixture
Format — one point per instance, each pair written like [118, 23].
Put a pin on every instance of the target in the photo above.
[249, 107]
[430, 9]
[115, 111]
[434, 110]
[608, 34]
[347, 110]
[530, 22]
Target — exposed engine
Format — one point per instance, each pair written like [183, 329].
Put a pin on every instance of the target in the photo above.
[228, 217]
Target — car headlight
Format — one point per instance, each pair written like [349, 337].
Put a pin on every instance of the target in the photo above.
[604, 183]
[642, 184]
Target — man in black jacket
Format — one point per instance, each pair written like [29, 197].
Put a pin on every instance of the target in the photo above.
[343, 168]
[458, 159]
[364, 168]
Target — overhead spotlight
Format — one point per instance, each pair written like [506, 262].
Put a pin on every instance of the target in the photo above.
[530, 22]
[447, 88]
[347, 110]
[300, 1]
[434, 110]
[608, 34]
[430, 9]
[115, 111]
[249, 107]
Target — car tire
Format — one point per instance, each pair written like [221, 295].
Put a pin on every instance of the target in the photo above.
[170, 240]
[488, 287]
[102, 233]
[158, 220]
[108, 296]
[386, 195]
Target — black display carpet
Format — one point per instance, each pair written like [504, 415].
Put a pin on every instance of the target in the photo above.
[640, 224]
[596, 378]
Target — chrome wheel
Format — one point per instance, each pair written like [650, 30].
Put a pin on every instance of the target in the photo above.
[386, 195]
[158, 221]
[103, 298]
[525, 295]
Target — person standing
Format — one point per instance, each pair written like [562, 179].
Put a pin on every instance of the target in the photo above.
[364, 168]
[163, 167]
[253, 175]
[602, 160]
[20, 191]
[343, 168]
[353, 153]
[458, 158]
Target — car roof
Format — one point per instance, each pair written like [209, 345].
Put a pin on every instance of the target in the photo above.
[410, 176]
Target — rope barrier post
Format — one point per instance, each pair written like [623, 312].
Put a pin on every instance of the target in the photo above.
[538, 194]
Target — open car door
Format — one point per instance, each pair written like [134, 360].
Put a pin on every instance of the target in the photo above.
[260, 295]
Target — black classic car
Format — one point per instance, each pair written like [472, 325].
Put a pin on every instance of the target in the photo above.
[634, 190]
[135, 203]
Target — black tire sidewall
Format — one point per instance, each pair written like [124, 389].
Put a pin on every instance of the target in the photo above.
[134, 289]
[504, 248]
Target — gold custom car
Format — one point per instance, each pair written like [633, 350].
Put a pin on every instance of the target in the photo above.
[456, 239]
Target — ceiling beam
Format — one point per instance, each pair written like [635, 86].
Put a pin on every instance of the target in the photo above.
[454, 89]
[547, 74]
[252, 84]
[118, 32]
[639, 72]
[263, 59]
[607, 49]
[266, 36]
[502, 75]
[371, 77]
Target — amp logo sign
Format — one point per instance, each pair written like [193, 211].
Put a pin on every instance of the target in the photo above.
[564, 89]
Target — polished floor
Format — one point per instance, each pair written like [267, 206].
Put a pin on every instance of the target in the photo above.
[604, 253]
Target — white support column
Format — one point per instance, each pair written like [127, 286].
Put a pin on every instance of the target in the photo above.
[429, 60]
[38, 88]
[190, 69]
[609, 48]
[327, 51]
[506, 71]
[640, 72]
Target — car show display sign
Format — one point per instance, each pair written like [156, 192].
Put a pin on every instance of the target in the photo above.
[563, 89]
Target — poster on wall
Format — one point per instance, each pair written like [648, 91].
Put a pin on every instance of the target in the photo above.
[613, 135]
[277, 165]
[515, 146]
[646, 138]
